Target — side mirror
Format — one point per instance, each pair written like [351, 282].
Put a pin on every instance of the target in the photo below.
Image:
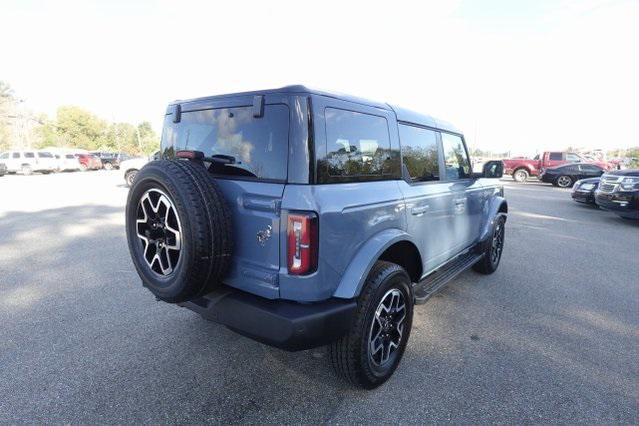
[493, 169]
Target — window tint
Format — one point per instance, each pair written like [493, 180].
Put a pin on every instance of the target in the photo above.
[573, 158]
[259, 145]
[29, 155]
[70, 156]
[556, 156]
[4, 155]
[357, 144]
[15, 155]
[45, 155]
[455, 157]
[420, 153]
[590, 168]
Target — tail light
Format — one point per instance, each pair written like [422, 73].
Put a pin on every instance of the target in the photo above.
[302, 243]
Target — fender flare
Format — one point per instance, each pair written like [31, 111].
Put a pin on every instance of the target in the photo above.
[492, 213]
[355, 275]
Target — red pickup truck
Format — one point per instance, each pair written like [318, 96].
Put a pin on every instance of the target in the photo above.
[522, 168]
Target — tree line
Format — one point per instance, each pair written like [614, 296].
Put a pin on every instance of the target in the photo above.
[72, 127]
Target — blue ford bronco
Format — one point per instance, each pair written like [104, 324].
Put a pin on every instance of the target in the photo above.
[301, 218]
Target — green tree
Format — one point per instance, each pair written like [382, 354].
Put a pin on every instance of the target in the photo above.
[149, 141]
[78, 128]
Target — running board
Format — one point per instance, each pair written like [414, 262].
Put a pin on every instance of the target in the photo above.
[435, 281]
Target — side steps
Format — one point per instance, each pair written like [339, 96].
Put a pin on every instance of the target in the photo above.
[435, 281]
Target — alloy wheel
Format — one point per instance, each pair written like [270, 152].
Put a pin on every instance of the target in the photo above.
[158, 228]
[387, 328]
[564, 181]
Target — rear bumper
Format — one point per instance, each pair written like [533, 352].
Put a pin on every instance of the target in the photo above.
[284, 324]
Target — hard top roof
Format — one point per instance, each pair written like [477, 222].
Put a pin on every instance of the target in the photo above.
[402, 114]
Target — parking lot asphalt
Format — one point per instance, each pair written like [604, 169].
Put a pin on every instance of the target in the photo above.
[551, 337]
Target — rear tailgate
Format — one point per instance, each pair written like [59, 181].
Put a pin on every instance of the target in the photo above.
[252, 186]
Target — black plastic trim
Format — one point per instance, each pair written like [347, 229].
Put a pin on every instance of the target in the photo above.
[280, 323]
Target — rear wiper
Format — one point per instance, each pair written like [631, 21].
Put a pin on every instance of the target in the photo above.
[220, 163]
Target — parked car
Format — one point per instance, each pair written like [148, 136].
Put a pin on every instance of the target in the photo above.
[28, 161]
[296, 222]
[131, 167]
[67, 162]
[583, 191]
[565, 176]
[619, 192]
[111, 160]
[88, 161]
[3, 169]
[522, 169]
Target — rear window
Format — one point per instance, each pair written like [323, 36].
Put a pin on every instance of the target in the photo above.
[45, 155]
[556, 156]
[258, 144]
[420, 153]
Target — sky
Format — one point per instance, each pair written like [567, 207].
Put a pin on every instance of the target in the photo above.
[521, 76]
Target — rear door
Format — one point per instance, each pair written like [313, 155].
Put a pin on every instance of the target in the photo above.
[427, 197]
[554, 159]
[252, 186]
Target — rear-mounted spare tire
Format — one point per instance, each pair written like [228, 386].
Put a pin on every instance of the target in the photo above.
[178, 229]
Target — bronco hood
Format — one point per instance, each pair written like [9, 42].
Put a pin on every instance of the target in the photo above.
[627, 172]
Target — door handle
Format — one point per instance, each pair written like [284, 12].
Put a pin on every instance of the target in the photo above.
[460, 201]
[420, 210]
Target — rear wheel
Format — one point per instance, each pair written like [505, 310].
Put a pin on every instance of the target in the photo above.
[564, 181]
[27, 170]
[371, 351]
[83, 167]
[521, 175]
[108, 166]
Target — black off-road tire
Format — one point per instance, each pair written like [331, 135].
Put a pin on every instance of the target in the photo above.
[205, 222]
[350, 354]
[488, 264]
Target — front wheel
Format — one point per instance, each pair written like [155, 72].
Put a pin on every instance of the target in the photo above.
[108, 166]
[27, 170]
[492, 249]
[371, 351]
[129, 177]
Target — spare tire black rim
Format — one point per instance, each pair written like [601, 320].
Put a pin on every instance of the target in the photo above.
[158, 228]
[387, 327]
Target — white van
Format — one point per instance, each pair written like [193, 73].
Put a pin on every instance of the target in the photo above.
[29, 161]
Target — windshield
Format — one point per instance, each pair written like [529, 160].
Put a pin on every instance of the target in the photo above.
[259, 145]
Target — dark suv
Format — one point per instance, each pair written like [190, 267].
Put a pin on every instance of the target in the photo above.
[301, 218]
[618, 191]
[111, 160]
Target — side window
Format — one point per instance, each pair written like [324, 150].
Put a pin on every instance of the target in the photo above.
[29, 155]
[573, 158]
[4, 156]
[455, 157]
[358, 145]
[15, 155]
[70, 156]
[555, 156]
[420, 153]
